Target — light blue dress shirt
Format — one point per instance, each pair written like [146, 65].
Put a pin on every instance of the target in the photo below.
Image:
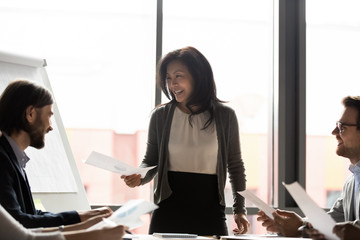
[20, 155]
[355, 169]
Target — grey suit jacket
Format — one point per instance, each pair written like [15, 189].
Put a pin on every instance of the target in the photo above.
[343, 208]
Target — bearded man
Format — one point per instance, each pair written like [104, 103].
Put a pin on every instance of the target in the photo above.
[25, 118]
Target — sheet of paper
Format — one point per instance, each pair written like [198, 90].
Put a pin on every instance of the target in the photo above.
[111, 164]
[258, 202]
[151, 237]
[39, 205]
[316, 215]
[259, 237]
[128, 214]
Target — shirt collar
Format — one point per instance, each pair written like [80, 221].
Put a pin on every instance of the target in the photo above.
[20, 155]
[355, 169]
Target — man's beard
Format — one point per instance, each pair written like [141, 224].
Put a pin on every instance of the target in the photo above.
[37, 134]
[347, 152]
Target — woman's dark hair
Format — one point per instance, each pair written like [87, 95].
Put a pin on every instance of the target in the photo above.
[17, 96]
[203, 95]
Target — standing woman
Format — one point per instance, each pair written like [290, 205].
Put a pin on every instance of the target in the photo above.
[194, 141]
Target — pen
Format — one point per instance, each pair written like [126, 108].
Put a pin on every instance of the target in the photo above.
[129, 237]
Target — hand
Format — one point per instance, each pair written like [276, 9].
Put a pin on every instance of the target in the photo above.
[267, 222]
[133, 180]
[108, 233]
[85, 215]
[314, 234]
[347, 231]
[288, 223]
[87, 223]
[242, 223]
[111, 233]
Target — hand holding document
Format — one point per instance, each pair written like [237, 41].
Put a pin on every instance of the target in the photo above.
[258, 203]
[127, 215]
[316, 215]
[111, 164]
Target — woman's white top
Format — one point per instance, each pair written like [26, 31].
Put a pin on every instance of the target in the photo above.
[190, 148]
[10, 229]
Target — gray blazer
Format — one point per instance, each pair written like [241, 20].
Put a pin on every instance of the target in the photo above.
[229, 154]
[343, 208]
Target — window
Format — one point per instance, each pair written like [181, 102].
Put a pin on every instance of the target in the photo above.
[101, 65]
[237, 39]
[332, 73]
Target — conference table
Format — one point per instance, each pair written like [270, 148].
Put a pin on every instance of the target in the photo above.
[237, 237]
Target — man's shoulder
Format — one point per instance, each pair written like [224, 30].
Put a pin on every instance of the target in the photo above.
[349, 181]
[4, 145]
[5, 158]
[3, 141]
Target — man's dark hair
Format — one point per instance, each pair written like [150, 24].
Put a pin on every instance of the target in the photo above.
[353, 101]
[14, 101]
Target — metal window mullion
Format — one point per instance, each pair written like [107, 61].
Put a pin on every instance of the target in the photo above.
[159, 37]
[291, 98]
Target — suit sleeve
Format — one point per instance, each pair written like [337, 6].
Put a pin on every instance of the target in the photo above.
[17, 200]
[337, 210]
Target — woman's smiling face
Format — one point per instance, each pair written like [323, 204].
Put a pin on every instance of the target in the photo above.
[180, 82]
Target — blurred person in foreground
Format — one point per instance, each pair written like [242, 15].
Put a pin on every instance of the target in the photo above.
[10, 229]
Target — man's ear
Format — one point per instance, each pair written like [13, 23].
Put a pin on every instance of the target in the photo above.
[30, 114]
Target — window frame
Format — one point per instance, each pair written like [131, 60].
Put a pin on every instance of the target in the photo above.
[290, 110]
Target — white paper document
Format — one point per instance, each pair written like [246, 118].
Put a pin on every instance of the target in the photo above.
[260, 237]
[258, 202]
[128, 214]
[151, 237]
[316, 215]
[111, 164]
